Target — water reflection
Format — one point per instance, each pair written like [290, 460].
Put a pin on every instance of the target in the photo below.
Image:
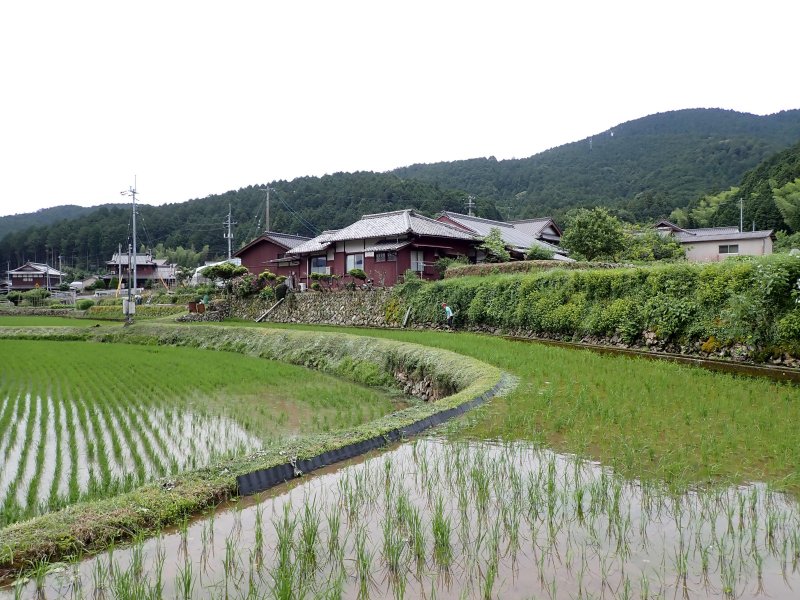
[441, 519]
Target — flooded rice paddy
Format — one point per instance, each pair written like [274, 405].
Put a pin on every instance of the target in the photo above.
[443, 519]
[55, 451]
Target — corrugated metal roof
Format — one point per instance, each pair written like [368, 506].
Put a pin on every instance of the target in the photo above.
[709, 231]
[723, 236]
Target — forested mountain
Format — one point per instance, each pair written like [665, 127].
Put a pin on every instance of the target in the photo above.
[44, 216]
[305, 206]
[642, 169]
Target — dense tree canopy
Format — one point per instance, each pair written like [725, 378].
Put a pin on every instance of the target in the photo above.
[593, 234]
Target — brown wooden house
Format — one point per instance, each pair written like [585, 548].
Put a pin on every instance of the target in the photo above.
[33, 275]
[384, 245]
[268, 252]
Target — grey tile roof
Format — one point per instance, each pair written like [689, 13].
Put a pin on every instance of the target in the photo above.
[286, 240]
[316, 244]
[517, 239]
[714, 235]
[383, 225]
[32, 267]
[531, 226]
[397, 223]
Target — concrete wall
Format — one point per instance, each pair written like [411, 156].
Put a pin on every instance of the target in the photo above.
[709, 251]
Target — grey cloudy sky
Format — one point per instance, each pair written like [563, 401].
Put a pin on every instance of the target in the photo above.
[196, 98]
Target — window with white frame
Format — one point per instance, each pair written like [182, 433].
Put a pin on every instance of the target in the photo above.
[729, 249]
[319, 264]
[417, 261]
[355, 261]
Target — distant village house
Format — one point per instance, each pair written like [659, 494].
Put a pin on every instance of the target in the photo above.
[712, 244]
[33, 275]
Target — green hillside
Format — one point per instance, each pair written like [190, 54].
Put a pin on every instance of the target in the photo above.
[45, 216]
[304, 206]
[642, 169]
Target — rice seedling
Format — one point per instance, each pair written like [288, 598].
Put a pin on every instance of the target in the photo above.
[69, 432]
[544, 525]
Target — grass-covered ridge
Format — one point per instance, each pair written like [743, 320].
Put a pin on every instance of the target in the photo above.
[749, 302]
[680, 425]
[92, 525]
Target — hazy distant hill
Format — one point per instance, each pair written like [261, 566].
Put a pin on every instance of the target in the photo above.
[642, 168]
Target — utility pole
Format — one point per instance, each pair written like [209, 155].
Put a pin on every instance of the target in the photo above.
[132, 193]
[229, 234]
[266, 223]
[119, 269]
[59, 271]
[128, 307]
[471, 205]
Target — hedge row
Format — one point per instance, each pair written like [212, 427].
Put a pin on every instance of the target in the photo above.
[521, 266]
[145, 311]
[746, 301]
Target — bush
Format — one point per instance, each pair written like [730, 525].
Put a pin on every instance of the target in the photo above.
[751, 301]
[84, 304]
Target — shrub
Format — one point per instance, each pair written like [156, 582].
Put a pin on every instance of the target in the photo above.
[84, 304]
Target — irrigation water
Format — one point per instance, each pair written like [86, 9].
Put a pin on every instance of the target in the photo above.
[459, 519]
[61, 449]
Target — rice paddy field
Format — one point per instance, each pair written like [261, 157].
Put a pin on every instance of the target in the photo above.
[82, 420]
[595, 477]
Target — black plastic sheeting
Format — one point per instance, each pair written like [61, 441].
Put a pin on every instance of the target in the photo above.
[263, 479]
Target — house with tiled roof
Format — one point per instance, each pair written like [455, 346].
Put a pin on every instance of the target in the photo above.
[544, 229]
[518, 236]
[385, 245]
[709, 244]
[33, 275]
[150, 271]
[268, 251]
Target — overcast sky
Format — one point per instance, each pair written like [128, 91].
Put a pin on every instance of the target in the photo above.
[197, 98]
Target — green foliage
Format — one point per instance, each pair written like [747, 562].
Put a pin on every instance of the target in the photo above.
[494, 247]
[784, 242]
[84, 304]
[593, 234]
[538, 252]
[224, 271]
[650, 245]
[446, 262]
[642, 169]
[736, 301]
[787, 199]
[357, 274]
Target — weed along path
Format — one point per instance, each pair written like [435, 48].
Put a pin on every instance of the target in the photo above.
[90, 430]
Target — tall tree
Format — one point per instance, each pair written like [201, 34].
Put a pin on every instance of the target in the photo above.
[593, 234]
[787, 199]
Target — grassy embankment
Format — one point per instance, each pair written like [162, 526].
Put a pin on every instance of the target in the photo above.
[89, 526]
[659, 420]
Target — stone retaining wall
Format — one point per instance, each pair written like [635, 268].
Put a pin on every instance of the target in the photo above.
[372, 308]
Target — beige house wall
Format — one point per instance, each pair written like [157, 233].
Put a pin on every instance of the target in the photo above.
[709, 251]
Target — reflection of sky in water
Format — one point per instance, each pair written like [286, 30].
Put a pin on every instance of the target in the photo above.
[114, 441]
[529, 522]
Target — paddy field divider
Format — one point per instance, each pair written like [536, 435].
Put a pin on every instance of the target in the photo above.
[458, 383]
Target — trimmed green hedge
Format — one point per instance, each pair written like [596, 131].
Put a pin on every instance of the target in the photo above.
[144, 311]
[749, 300]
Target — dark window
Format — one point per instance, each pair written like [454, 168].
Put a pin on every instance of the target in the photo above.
[729, 249]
